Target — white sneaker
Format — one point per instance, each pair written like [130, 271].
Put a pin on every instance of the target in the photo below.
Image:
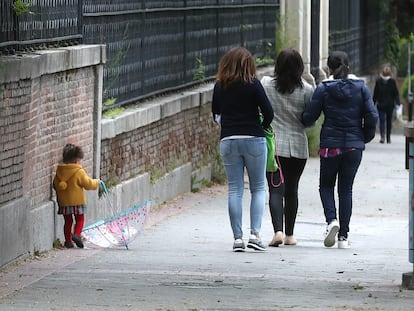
[331, 230]
[343, 242]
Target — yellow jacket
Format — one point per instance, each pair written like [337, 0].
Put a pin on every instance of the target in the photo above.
[70, 182]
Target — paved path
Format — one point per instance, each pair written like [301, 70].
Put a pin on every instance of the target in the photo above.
[183, 259]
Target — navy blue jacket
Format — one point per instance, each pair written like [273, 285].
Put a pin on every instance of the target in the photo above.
[350, 117]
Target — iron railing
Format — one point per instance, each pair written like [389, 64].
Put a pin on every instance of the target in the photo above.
[315, 35]
[357, 28]
[46, 23]
[158, 46]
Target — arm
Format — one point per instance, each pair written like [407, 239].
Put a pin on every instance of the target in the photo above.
[396, 93]
[265, 106]
[309, 89]
[314, 108]
[375, 95]
[215, 107]
[86, 182]
[370, 115]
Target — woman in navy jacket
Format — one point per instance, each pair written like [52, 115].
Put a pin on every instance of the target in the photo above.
[350, 119]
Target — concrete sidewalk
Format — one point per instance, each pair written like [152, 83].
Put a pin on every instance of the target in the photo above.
[183, 259]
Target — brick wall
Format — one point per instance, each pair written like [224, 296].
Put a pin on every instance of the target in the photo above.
[66, 102]
[50, 99]
[37, 118]
[15, 99]
[188, 136]
[47, 100]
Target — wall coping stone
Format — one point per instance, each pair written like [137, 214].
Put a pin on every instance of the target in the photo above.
[38, 63]
[154, 110]
[160, 108]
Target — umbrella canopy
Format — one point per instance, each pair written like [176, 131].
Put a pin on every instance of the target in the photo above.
[119, 229]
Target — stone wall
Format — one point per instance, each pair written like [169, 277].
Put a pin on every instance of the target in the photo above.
[41, 111]
[159, 136]
[48, 98]
[152, 152]
[15, 99]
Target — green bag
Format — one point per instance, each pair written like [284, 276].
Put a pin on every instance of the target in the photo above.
[271, 165]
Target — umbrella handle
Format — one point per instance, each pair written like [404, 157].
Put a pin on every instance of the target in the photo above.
[103, 186]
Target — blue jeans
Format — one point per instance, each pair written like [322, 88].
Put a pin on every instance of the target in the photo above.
[236, 155]
[345, 167]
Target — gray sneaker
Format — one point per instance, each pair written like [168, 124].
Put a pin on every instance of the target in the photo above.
[256, 243]
[238, 245]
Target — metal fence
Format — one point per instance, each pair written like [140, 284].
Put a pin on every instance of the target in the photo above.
[158, 46]
[39, 24]
[152, 46]
[357, 28]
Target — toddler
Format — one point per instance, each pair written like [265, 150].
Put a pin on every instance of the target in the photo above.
[69, 183]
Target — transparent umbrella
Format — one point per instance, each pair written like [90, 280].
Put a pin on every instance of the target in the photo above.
[119, 229]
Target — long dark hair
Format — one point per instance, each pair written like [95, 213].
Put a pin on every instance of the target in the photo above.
[288, 71]
[236, 66]
[338, 64]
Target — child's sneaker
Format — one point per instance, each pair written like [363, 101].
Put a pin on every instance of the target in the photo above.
[69, 245]
[238, 245]
[331, 230]
[77, 240]
[343, 242]
[256, 243]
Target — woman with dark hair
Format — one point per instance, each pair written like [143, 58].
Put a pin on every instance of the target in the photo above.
[386, 97]
[350, 119]
[288, 94]
[238, 101]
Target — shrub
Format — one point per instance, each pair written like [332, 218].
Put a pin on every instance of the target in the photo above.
[404, 88]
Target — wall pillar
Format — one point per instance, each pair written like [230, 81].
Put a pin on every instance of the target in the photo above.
[296, 24]
[323, 39]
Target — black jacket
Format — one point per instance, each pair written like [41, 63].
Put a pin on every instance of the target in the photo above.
[239, 107]
[386, 94]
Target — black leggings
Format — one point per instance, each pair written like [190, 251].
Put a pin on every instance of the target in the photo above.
[292, 169]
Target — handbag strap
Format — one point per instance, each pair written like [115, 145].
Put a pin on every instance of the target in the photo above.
[281, 179]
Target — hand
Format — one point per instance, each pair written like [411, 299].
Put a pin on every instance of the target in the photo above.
[100, 189]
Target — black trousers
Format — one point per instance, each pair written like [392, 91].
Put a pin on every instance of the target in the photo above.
[283, 199]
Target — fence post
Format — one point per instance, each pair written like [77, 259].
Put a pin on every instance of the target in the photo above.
[408, 277]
